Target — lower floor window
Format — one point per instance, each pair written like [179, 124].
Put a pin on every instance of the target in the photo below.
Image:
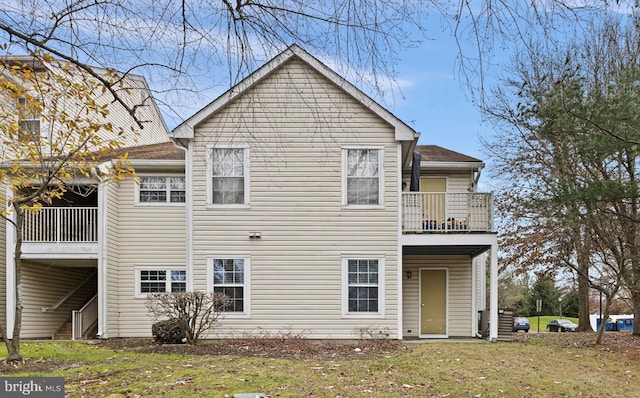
[161, 280]
[229, 276]
[362, 289]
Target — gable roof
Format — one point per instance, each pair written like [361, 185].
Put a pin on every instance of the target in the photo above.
[186, 129]
[436, 158]
[435, 153]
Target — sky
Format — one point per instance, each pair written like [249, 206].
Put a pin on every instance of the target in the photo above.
[436, 103]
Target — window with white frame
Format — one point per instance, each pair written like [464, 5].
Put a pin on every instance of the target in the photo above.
[160, 280]
[229, 276]
[28, 120]
[363, 287]
[362, 176]
[161, 189]
[228, 175]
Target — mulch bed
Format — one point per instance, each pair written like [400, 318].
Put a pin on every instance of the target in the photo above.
[303, 349]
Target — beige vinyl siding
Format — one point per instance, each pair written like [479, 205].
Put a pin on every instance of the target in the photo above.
[456, 183]
[147, 236]
[112, 221]
[43, 286]
[296, 123]
[3, 265]
[459, 293]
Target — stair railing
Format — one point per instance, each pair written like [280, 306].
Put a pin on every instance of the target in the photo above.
[71, 293]
[84, 318]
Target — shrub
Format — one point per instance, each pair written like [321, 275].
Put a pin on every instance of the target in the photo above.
[167, 332]
[193, 312]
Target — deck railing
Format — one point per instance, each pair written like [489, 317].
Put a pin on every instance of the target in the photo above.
[447, 212]
[61, 224]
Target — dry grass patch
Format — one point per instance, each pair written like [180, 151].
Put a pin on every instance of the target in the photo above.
[545, 365]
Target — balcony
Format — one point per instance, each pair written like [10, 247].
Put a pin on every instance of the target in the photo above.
[61, 225]
[424, 212]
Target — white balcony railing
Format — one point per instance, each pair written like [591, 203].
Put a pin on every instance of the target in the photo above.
[447, 212]
[61, 225]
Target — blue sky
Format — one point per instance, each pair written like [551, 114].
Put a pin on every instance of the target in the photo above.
[436, 102]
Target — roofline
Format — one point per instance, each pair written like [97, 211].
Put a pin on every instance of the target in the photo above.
[186, 129]
[431, 165]
[172, 163]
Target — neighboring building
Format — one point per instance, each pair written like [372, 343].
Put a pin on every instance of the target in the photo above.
[300, 198]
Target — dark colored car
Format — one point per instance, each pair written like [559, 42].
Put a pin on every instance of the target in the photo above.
[561, 325]
[520, 323]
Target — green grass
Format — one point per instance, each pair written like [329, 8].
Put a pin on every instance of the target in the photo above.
[533, 322]
[534, 367]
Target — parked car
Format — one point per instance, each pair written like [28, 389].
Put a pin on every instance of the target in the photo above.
[561, 325]
[520, 323]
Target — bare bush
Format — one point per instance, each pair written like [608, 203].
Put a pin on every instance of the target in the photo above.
[195, 312]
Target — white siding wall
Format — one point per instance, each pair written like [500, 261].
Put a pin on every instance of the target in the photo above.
[295, 123]
[112, 261]
[43, 287]
[146, 236]
[459, 293]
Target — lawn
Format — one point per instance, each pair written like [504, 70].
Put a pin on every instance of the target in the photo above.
[533, 322]
[535, 366]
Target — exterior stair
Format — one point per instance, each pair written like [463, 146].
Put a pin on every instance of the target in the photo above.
[64, 331]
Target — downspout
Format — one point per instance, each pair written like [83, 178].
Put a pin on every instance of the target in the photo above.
[399, 240]
[185, 145]
[102, 255]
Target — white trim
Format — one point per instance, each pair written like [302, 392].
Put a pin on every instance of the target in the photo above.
[493, 293]
[474, 298]
[167, 202]
[381, 160]
[247, 176]
[433, 336]
[381, 286]
[159, 267]
[103, 297]
[246, 313]
[399, 256]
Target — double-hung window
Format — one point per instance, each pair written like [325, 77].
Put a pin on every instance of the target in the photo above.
[363, 286]
[28, 120]
[161, 189]
[160, 280]
[362, 177]
[230, 276]
[228, 176]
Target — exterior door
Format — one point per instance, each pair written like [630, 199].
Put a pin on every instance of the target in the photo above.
[433, 303]
[434, 204]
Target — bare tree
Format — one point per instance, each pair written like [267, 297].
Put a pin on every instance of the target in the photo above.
[196, 312]
[40, 163]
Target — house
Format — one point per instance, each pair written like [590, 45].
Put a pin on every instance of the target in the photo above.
[307, 203]
[61, 244]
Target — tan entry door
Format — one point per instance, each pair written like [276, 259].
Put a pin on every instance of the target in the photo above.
[433, 302]
[434, 204]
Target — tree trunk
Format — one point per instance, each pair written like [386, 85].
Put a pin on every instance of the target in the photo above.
[603, 321]
[635, 302]
[584, 252]
[13, 345]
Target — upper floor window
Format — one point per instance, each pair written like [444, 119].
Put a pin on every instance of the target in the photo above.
[159, 189]
[28, 120]
[228, 175]
[160, 280]
[362, 177]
